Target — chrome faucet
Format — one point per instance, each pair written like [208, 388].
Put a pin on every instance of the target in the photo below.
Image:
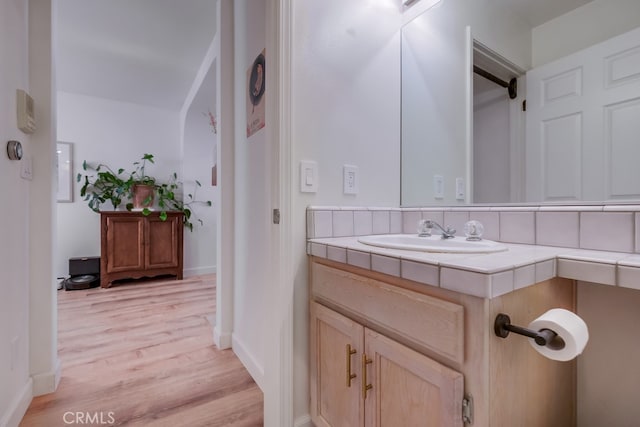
[426, 225]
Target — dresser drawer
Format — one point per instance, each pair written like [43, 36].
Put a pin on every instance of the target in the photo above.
[425, 321]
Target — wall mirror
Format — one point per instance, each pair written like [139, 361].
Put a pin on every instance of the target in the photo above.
[466, 141]
[64, 152]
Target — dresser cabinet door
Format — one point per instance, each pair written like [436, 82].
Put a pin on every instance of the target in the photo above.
[161, 245]
[124, 243]
[335, 400]
[408, 388]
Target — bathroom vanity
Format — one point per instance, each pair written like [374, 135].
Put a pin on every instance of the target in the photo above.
[389, 351]
[435, 312]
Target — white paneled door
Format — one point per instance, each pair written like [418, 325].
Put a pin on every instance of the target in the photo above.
[583, 124]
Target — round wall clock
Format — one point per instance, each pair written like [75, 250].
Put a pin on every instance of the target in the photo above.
[14, 150]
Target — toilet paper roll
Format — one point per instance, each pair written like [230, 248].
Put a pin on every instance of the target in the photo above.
[569, 327]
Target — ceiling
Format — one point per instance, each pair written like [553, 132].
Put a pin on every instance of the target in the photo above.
[141, 51]
[537, 12]
[149, 51]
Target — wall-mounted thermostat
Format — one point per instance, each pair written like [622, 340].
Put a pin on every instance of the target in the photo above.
[26, 112]
[14, 150]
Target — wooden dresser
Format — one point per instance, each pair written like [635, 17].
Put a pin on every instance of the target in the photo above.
[134, 245]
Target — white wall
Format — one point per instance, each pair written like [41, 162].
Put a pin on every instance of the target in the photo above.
[583, 27]
[199, 153]
[28, 361]
[252, 199]
[345, 110]
[14, 211]
[116, 134]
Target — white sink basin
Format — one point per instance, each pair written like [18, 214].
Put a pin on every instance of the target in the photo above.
[435, 243]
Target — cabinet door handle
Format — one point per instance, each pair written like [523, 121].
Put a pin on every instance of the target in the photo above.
[365, 361]
[350, 376]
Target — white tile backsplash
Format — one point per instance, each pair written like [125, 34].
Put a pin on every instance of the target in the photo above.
[456, 220]
[342, 223]
[380, 222]
[433, 215]
[323, 224]
[490, 221]
[608, 237]
[557, 229]
[410, 221]
[311, 233]
[607, 228]
[362, 223]
[517, 227]
[395, 222]
[607, 231]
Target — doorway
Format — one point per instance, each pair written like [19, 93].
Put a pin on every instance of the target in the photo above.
[498, 91]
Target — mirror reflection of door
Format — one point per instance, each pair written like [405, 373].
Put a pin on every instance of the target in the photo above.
[497, 129]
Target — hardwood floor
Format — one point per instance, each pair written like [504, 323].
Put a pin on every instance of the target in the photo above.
[142, 354]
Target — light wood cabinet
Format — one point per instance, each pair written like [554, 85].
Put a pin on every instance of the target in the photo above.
[362, 378]
[134, 246]
[430, 350]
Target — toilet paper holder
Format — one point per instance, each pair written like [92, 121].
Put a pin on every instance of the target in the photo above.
[544, 337]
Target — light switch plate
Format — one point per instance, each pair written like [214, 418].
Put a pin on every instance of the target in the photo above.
[308, 176]
[438, 187]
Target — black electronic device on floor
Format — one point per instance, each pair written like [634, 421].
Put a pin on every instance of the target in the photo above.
[84, 273]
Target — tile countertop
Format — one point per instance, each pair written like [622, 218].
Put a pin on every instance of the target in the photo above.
[485, 275]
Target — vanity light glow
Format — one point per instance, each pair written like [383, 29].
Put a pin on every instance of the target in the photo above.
[426, 3]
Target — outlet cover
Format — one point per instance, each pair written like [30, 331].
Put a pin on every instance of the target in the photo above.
[350, 179]
[460, 193]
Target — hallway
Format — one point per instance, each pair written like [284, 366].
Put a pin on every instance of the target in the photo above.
[141, 354]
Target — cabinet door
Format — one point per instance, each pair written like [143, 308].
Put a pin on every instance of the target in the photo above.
[333, 401]
[162, 242]
[408, 388]
[124, 246]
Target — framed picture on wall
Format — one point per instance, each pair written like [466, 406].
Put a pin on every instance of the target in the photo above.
[64, 152]
[256, 83]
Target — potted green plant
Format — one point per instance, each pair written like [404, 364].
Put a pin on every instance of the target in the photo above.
[102, 184]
